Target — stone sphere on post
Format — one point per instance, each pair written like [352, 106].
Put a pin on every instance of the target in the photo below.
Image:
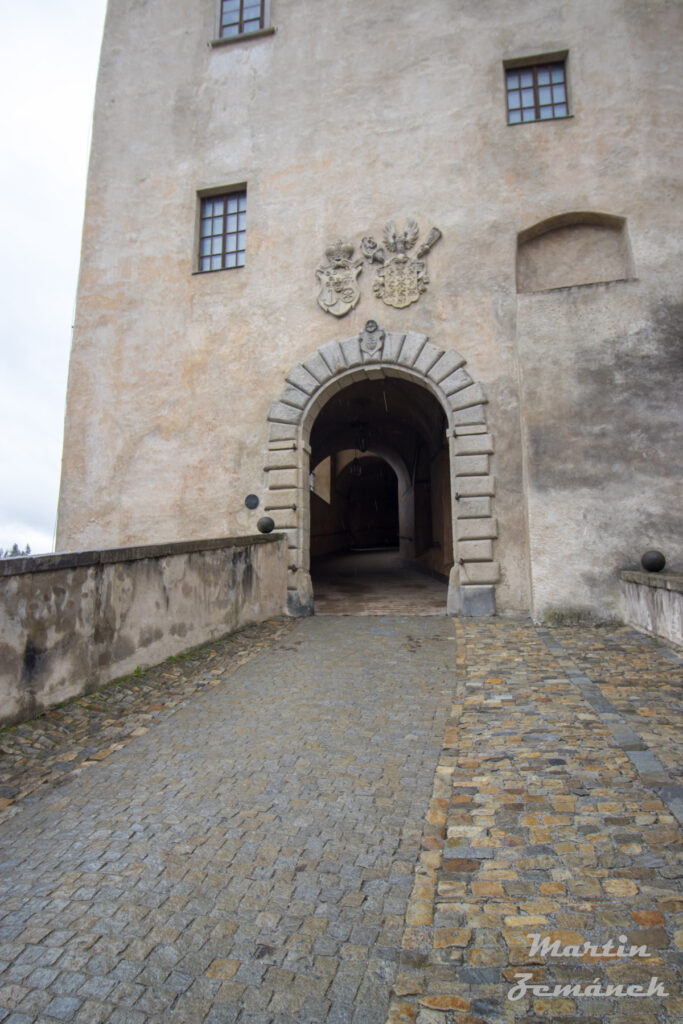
[653, 561]
[265, 524]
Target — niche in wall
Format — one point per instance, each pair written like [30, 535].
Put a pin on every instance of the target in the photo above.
[573, 249]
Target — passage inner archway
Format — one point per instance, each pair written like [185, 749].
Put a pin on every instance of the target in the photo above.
[354, 504]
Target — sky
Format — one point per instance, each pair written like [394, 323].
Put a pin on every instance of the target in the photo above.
[49, 50]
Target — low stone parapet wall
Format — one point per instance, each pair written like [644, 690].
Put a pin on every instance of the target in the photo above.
[654, 603]
[72, 621]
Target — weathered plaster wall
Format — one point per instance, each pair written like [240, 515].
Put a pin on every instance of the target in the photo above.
[340, 121]
[69, 623]
[603, 422]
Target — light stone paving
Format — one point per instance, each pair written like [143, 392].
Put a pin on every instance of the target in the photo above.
[363, 822]
[248, 858]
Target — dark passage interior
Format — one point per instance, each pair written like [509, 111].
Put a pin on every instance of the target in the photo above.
[380, 477]
[362, 509]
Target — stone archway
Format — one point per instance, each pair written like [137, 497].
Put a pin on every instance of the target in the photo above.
[376, 353]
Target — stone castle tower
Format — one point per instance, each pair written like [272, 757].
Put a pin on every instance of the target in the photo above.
[394, 272]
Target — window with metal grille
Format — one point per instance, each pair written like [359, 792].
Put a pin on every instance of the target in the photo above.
[241, 16]
[223, 231]
[537, 92]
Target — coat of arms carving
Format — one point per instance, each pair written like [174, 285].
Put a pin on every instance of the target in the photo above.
[401, 278]
[339, 292]
[371, 340]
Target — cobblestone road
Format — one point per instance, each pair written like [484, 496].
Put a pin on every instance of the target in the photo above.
[350, 821]
[553, 814]
[247, 858]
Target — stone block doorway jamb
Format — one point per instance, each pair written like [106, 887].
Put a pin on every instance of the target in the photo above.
[411, 356]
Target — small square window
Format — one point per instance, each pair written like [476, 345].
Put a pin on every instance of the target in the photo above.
[222, 231]
[537, 92]
[238, 17]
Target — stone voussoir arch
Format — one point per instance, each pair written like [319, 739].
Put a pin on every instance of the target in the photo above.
[373, 354]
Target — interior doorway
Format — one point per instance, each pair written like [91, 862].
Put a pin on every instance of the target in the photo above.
[354, 504]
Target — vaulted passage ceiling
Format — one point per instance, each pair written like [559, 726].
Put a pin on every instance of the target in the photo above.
[380, 414]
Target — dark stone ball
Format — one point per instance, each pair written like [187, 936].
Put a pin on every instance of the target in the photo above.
[266, 524]
[653, 561]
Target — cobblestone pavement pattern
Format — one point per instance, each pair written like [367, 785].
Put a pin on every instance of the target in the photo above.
[82, 732]
[247, 858]
[554, 813]
[366, 817]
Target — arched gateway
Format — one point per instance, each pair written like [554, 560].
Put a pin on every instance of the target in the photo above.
[375, 354]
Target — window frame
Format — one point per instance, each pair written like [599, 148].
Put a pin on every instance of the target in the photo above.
[265, 29]
[533, 64]
[225, 192]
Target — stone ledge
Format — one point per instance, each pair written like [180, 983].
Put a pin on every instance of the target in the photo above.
[661, 580]
[241, 37]
[105, 556]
